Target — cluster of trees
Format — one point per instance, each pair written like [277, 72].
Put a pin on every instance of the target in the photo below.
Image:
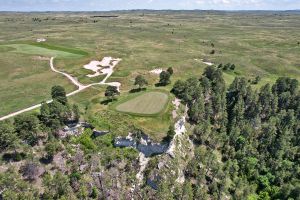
[141, 82]
[227, 66]
[30, 128]
[247, 141]
[27, 130]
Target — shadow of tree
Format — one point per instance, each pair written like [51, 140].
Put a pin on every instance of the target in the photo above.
[107, 101]
[137, 90]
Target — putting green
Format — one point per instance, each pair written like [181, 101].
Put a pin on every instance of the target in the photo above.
[148, 104]
[40, 50]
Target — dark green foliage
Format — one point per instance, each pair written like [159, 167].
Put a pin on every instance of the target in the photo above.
[76, 113]
[58, 93]
[94, 193]
[170, 70]
[27, 128]
[256, 80]
[8, 137]
[248, 140]
[227, 66]
[14, 187]
[164, 78]
[55, 114]
[232, 67]
[111, 92]
[57, 187]
[171, 132]
[140, 81]
[52, 147]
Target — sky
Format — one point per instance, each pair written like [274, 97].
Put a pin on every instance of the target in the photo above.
[106, 5]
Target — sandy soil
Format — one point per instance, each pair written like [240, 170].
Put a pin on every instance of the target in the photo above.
[179, 131]
[102, 67]
[94, 66]
[156, 71]
[205, 62]
[143, 163]
[176, 103]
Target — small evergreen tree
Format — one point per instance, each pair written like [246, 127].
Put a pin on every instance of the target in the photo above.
[140, 81]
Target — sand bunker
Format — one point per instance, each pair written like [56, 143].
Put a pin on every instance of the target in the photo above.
[41, 40]
[208, 63]
[101, 67]
[108, 70]
[94, 66]
[205, 62]
[156, 71]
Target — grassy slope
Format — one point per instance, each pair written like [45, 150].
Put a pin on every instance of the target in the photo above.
[262, 44]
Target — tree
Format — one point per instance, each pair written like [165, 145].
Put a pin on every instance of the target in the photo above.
[164, 78]
[227, 66]
[76, 113]
[170, 70]
[12, 186]
[111, 92]
[232, 67]
[179, 88]
[58, 93]
[171, 132]
[45, 115]
[256, 80]
[196, 111]
[8, 137]
[27, 127]
[57, 187]
[140, 81]
[52, 147]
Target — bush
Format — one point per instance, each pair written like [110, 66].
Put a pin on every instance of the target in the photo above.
[86, 141]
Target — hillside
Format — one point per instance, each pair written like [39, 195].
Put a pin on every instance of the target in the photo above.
[150, 105]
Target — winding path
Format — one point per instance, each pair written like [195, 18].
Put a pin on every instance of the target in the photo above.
[80, 86]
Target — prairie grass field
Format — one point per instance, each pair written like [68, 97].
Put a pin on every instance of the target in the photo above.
[264, 44]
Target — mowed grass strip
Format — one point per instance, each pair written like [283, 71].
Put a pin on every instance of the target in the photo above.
[146, 104]
[41, 50]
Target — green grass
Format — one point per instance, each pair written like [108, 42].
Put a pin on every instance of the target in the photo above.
[59, 48]
[148, 103]
[258, 43]
[43, 50]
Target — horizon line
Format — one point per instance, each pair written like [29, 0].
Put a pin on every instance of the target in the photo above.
[228, 10]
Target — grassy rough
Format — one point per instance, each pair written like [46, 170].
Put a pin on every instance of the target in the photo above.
[258, 43]
[43, 50]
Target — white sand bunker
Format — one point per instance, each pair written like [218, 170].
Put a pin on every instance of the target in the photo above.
[156, 71]
[102, 67]
[41, 40]
[205, 62]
